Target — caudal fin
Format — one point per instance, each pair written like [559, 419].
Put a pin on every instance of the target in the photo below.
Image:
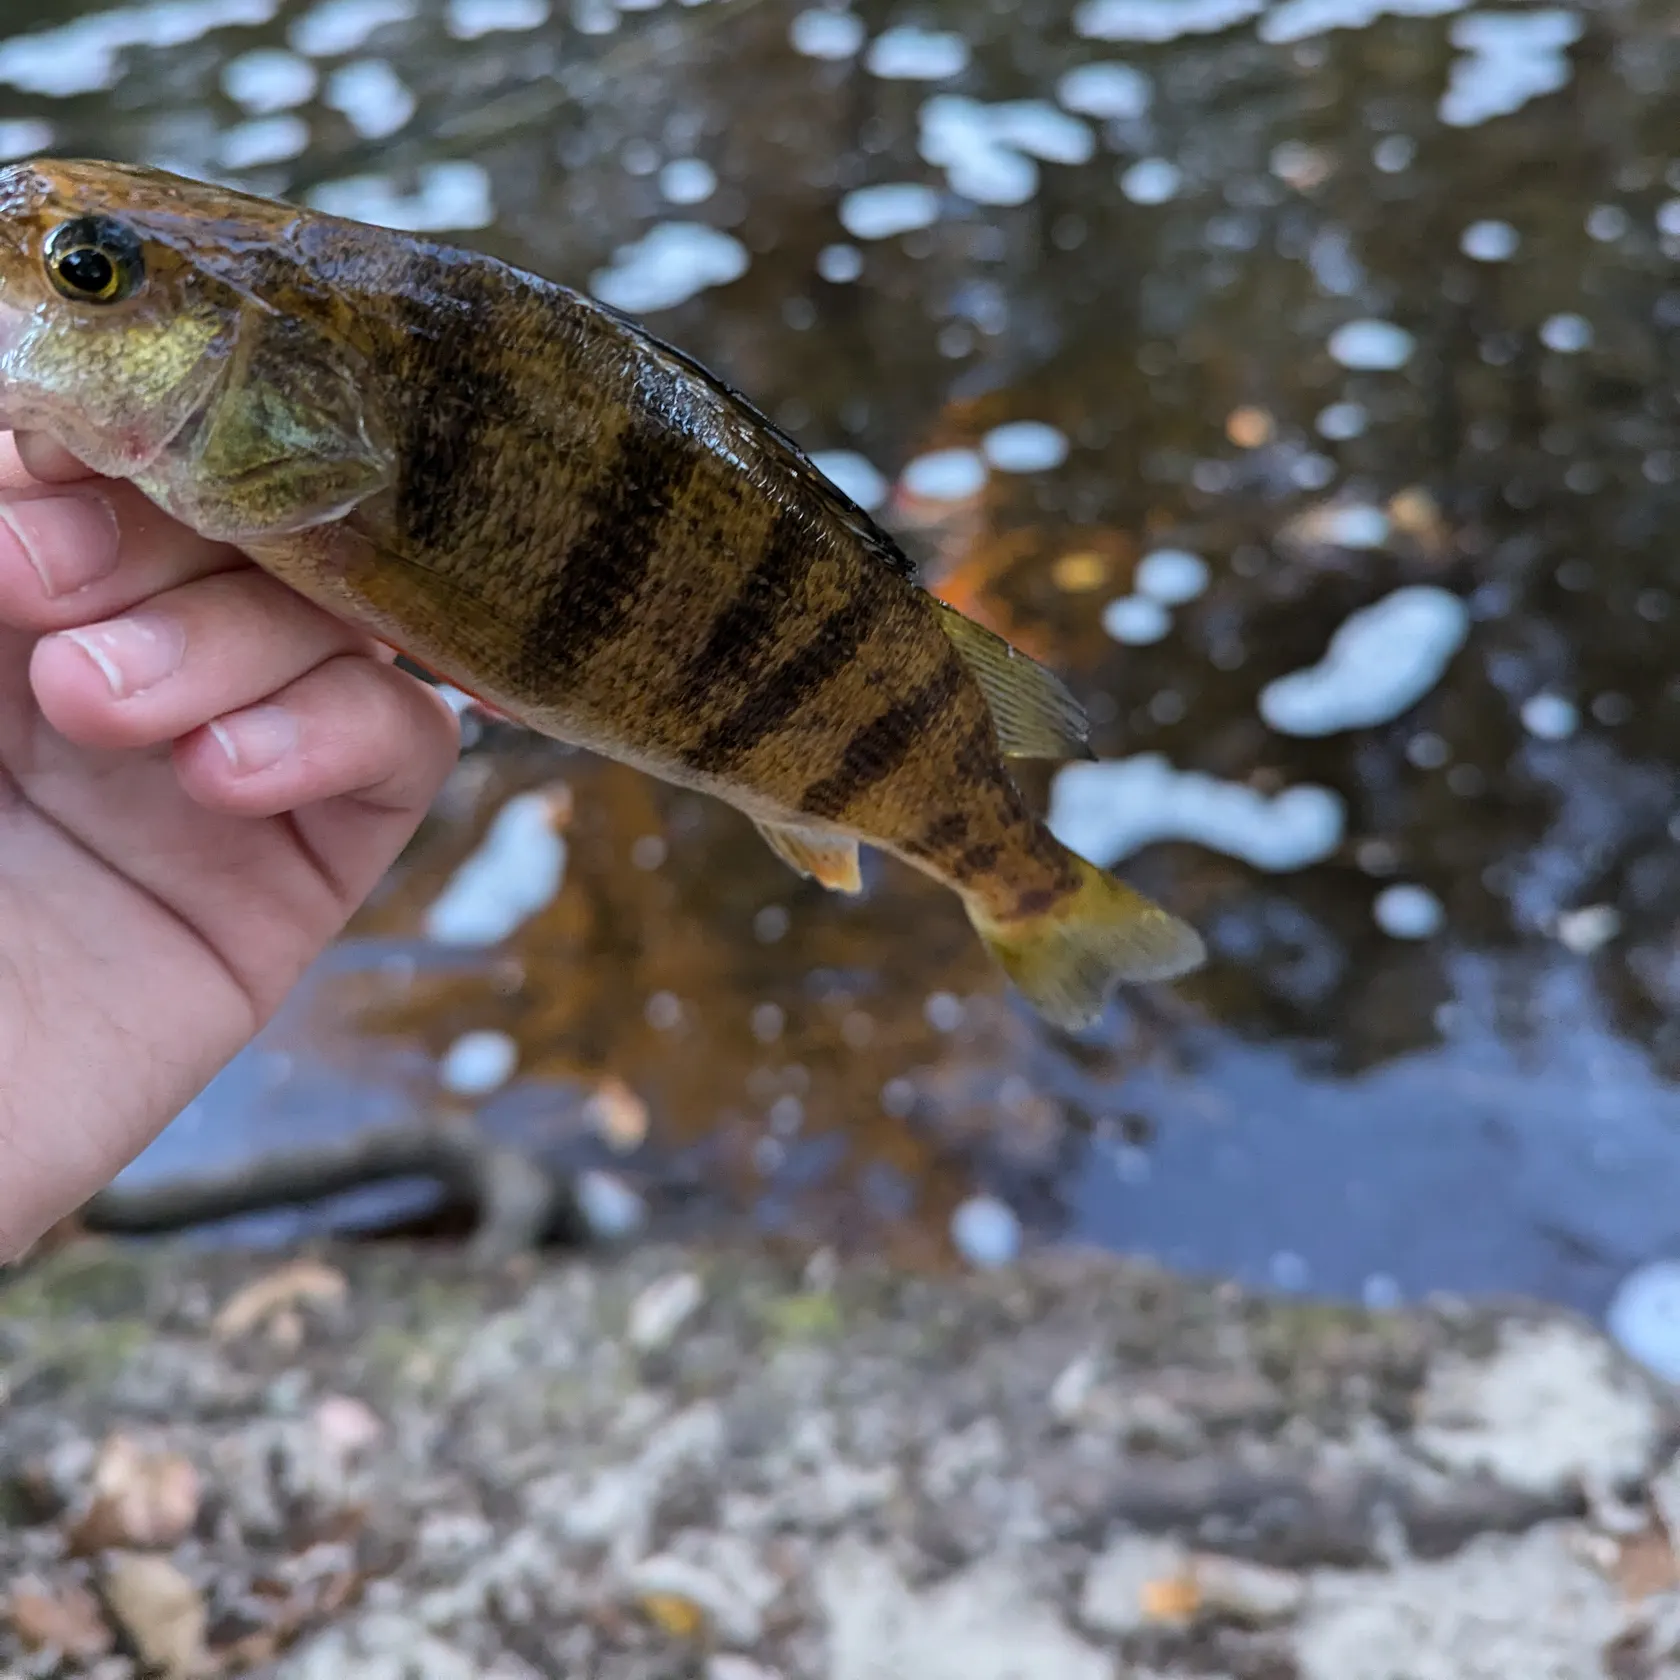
[1066, 961]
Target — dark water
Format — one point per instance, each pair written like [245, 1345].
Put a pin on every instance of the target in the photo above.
[1467, 1083]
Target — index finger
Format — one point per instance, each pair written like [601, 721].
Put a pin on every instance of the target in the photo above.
[28, 458]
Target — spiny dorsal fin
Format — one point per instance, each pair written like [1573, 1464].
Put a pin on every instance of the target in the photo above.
[758, 431]
[1035, 715]
[830, 860]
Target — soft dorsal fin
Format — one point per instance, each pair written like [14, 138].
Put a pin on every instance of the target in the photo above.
[1036, 716]
[830, 860]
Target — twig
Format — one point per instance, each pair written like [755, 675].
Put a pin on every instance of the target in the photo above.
[519, 1202]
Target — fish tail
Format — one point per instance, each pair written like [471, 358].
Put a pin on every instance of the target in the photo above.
[1067, 958]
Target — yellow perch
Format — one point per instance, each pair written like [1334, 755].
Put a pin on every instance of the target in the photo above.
[541, 503]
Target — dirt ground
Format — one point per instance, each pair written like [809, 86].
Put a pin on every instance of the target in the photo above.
[723, 1464]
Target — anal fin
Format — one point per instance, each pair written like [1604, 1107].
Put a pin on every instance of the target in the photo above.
[830, 861]
[1035, 715]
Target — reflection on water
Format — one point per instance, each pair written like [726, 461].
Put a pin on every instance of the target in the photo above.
[1298, 377]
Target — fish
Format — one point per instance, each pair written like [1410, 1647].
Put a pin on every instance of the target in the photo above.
[543, 504]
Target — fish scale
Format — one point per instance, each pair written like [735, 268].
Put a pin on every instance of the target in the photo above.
[548, 507]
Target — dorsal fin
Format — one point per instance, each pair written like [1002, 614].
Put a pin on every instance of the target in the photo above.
[780, 450]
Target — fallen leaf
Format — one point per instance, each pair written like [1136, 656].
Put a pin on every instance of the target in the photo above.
[65, 1619]
[679, 1617]
[1079, 572]
[162, 1613]
[1248, 428]
[347, 1425]
[284, 1330]
[141, 1497]
[1646, 1565]
[1416, 513]
[618, 1114]
[1174, 1599]
[1246, 1592]
[298, 1283]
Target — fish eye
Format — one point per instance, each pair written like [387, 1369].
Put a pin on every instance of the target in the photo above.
[95, 260]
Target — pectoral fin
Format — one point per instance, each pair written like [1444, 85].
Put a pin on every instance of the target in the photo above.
[1034, 714]
[832, 862]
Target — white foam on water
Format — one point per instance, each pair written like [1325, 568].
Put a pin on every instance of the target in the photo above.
[1381, 1293]
[1643, 1318]
[892, 208]
[82, 56]
[263, 140]
[986, 1232]
[452, 197]
[1151, 180]
[671, 263]
[1589, 928]
[1160, 20]
[1342, 421]
[516, 871]
[1550, 717]
[839, 264]
[1111, 810]
[987, 151]
[1106, 90]
[1408, 911]
[336, 27]
[468, 19]
[1295, 20]
[1136, 621]
[992, 174]
[268, 79]
[909, 54]
[1352, 525]
[944, 475]
[1509, 59]
[19, 136]
[1607, 223]
[1171, 576]
[1380, 663]
[1567, 334]
[478, 1063]
[853, 475]
[1041, 130]
[609, 1206]
[1025, 446]
[821, 33]
[1489, 241]
[687, 181]
[1372, 345]
[372, 96]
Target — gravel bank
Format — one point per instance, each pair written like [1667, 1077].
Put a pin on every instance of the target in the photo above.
[725, 1465]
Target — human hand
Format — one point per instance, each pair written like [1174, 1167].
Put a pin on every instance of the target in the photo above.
[201, 777]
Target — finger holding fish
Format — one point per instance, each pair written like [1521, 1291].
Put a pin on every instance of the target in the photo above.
[83, 558]
[350, 735]
[46, 460]
[77, 552]
[180, 658]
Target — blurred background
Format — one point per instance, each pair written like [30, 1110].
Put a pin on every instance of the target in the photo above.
[1296, 377]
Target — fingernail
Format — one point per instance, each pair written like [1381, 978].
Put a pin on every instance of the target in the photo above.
[256, 739]
[71, 541]
[132, 653]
